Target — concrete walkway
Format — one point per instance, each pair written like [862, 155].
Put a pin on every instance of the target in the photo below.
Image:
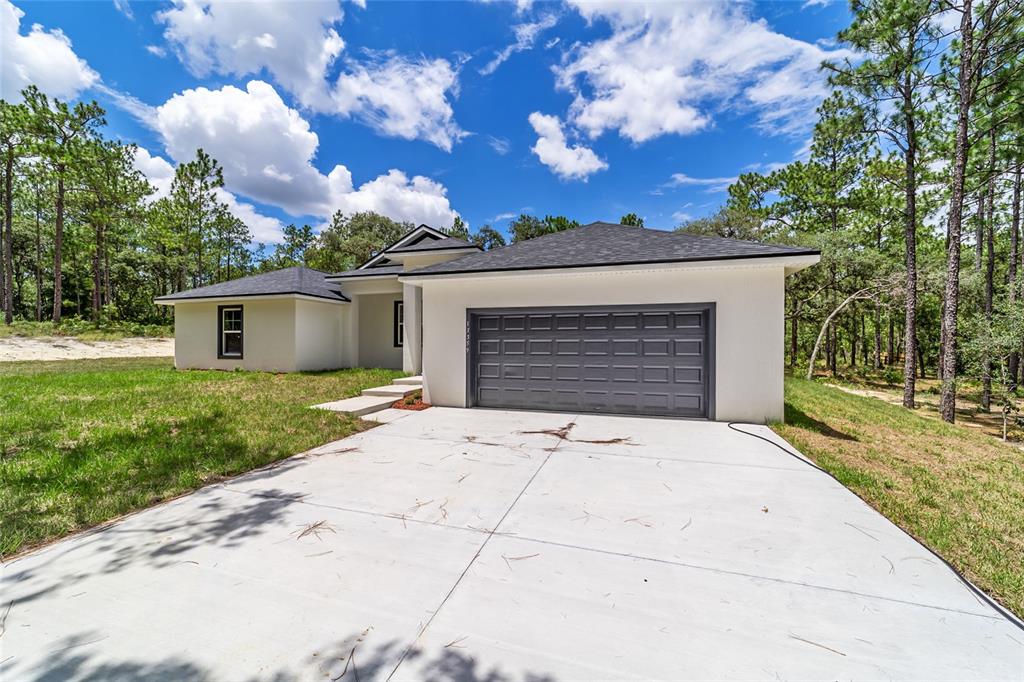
[505, 546]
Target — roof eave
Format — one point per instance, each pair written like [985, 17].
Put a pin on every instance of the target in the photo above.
[338, 279]
[793, 262]
[164, 300]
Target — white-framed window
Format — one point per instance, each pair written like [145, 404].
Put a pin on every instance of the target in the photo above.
[399, 324]
[229, 329]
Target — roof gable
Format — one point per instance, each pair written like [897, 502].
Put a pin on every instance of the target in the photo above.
[414, 236]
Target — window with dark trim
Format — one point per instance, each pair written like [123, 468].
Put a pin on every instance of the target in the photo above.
[229, 331]
[399, 324]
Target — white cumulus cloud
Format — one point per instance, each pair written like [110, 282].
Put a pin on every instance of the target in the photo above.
[267, 149]
[294, 41]
[40, 57]
[401, 97]
[669, 68]
[298, 44]
[569, 163]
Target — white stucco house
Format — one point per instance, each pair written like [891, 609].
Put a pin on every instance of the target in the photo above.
[603, 318]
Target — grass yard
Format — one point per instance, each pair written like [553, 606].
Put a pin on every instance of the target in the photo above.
[87, 440]
[953, 487]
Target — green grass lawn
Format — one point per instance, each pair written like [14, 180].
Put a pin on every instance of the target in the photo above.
[956, 489]
[84, 441]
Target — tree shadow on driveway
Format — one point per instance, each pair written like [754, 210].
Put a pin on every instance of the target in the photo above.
[345, 661]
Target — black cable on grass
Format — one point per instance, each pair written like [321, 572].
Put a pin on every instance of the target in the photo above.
[999, 608]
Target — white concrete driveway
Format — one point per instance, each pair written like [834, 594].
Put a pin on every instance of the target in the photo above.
[471, 545]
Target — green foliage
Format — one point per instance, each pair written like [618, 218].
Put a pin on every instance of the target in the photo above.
[292, 251]
[109, 328]
[350, 241]
[632, 220]
[528, 227]
[459, 229]
[488, 238]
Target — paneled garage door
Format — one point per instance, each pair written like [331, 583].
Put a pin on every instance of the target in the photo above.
[651, 360]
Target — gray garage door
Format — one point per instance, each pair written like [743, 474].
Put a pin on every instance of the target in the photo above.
[651, 360]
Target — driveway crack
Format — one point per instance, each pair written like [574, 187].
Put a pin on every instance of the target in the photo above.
[550, 451]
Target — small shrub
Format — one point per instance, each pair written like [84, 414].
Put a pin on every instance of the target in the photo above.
[892, 376]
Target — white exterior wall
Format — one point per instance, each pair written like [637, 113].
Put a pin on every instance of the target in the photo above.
[749, 323]
[318, 335]
[268, 335]
[376, 331]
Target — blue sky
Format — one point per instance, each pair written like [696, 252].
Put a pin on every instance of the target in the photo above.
[425, 110]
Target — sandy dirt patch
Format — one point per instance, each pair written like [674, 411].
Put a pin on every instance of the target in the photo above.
[58, 348]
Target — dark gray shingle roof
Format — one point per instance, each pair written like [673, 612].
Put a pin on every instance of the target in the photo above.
[297, 280]
[599, 244]
[434, 245]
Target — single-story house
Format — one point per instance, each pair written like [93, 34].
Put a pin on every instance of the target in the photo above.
[602, 318]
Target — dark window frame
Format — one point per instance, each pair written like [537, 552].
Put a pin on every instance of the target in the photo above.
[398, 324]
[220, 331]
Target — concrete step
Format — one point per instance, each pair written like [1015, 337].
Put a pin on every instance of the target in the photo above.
[418, 381]
[360, 405]
[388, 415]
[395, 391]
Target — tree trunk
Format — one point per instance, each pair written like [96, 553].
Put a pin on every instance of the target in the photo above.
[990, 271]
[97, 276]
[793, 339]
[979, 228]
[1014, 359]
[826, 325]
[834, 361]
[878, 336]
[58, 242]
[853, 343]
[8, 259]
[947, 403]
[39, 266]
[890, 358]
[910, 237]
[864, 339]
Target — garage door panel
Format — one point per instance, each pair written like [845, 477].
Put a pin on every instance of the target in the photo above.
[656, 375]
[580, 359]
[567, 347]
[690, 347]
[540, 346]
[568, 372]
[688, 321]
[539, 322]
[656, 320]
[689, 375]
[625, 347]
[656, 347]
[541, 372]
[513, 347]
[626, 321]
[626, 373]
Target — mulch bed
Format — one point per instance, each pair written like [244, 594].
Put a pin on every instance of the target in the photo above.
[415, 406]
